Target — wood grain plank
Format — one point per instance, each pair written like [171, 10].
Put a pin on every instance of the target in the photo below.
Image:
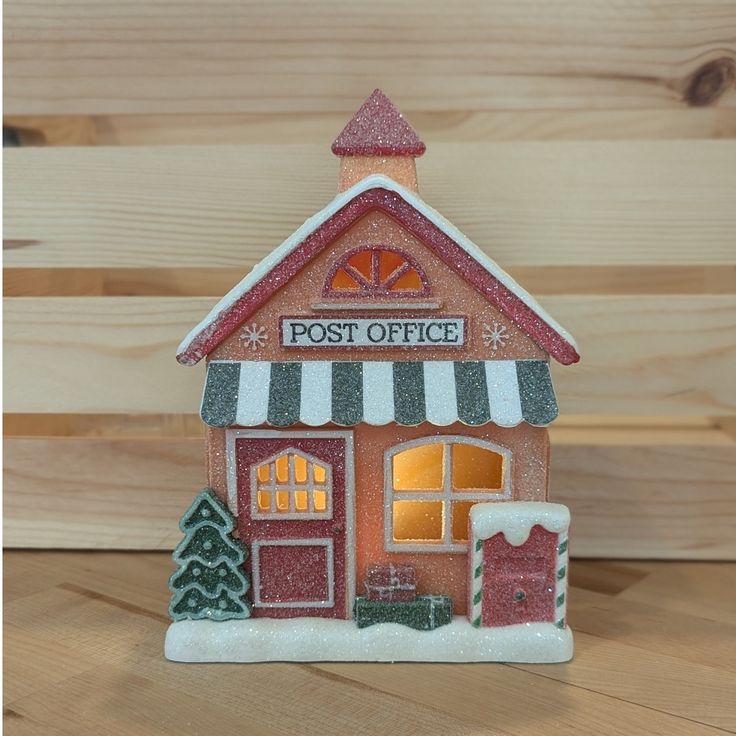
[216, 281]
[135, 426]
[707, 590]
[107, 612]
[628, 674]
[162, 708]
[557, 204]
[107, 691]
[98, 630]
[438, 126]
[129, 494]
[692, 656]
[122, 494]
[181, 58]
[579, 709]
[22, 725]
[70, 130]
[568, 428]
[132, 582]
[695, 638]
[642, 355]
[661, 501]
[31, 672]
[127, 645]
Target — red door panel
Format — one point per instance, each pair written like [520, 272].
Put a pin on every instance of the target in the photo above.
[298, 560]
[309, 577]
[519, 582]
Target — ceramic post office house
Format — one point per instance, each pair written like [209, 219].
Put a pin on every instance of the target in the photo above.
[377, 399]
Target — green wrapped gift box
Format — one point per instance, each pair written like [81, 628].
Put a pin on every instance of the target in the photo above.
[425, 613]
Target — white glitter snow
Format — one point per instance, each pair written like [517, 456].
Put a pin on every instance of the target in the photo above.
[336, 640]
[515, 519]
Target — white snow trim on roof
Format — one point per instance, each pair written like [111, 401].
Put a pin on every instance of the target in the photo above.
[515, 519]
[370, 182]
[336, 640]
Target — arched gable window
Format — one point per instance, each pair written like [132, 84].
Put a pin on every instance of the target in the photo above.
[431, 485]
[377, 271]
[293, 485]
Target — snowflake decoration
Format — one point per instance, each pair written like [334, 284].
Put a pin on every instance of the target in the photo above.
[254, 336]
[495, 336]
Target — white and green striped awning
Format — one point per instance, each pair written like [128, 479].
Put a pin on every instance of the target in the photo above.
[315, 393]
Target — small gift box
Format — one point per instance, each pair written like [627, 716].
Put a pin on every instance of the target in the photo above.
[392, 583]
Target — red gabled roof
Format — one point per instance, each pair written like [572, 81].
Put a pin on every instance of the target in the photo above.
[377, 193]
[378, 129]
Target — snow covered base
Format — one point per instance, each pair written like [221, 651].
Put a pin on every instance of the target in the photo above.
[332, 640]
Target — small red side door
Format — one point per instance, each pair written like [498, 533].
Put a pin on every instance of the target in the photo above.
[519, 582]
[292, 517]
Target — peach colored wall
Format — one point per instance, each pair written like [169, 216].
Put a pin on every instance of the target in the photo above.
[305, 289]
[402, 169]
[437, 572]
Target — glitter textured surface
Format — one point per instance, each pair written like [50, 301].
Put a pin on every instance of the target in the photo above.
[210, 582]
[515, 520]
[518, 582]
[392, 583]
[320, 640]
[406, 392]
[424, 613]
[517, 564]
[378, 129]
[402, 169]
[377, 258]
[377, 193]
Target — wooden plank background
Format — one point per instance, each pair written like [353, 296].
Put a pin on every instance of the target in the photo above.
[654, 654]
[123, 57]
[569, 204]
[644, 355]
[588, 147]
[631, 491]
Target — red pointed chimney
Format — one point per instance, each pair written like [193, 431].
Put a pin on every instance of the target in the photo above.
[378, 140]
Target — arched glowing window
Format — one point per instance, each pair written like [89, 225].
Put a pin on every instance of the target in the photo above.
[293, 485]
[431, 485]
[377, 271]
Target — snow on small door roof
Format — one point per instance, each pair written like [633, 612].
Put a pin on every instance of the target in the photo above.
[515, 519]
[428, 225]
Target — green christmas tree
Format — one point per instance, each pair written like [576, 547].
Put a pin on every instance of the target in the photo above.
[210, 582]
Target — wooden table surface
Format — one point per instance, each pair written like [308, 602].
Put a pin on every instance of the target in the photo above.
[655, 654]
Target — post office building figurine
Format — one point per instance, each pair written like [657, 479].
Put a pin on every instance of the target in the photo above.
[377, 399]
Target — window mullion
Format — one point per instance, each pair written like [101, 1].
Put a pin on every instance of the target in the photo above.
[291, 481]
[447, 488]
[310, 487]
[419, 495]
[291, 486]
[272, 505]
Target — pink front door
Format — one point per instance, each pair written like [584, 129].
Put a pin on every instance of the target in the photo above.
[293, 501]
[519, 582]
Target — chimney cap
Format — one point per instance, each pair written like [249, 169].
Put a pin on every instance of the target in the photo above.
[378, 129]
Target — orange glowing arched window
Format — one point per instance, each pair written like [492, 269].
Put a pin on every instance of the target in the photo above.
[431, 484]
[377, 271]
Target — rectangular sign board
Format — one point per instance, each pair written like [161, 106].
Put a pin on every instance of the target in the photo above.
[372, 332]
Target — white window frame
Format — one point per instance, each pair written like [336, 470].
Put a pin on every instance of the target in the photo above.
[445, 495]
[325, 542]
[291, 486]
